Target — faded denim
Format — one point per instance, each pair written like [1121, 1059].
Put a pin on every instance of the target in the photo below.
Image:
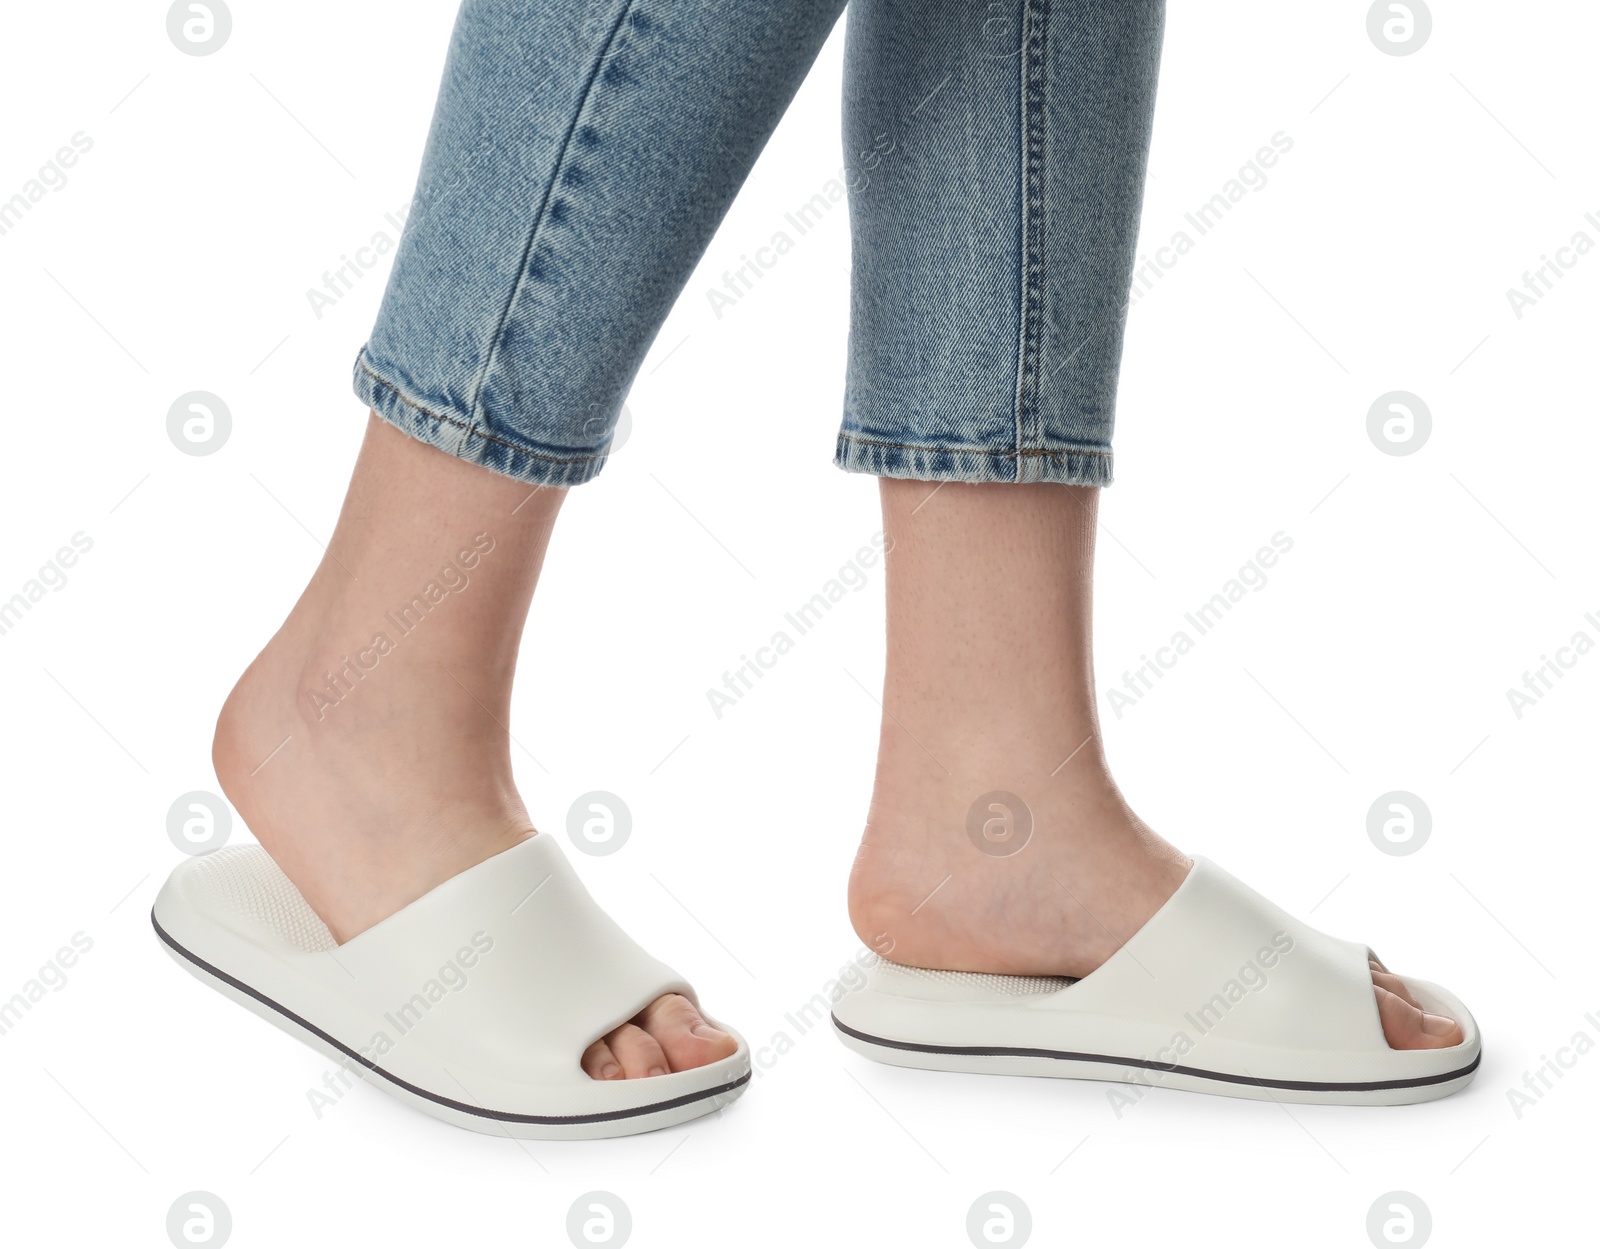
[582, 155]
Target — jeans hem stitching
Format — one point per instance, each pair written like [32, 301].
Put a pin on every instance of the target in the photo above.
[1012, 454]
[472, 431]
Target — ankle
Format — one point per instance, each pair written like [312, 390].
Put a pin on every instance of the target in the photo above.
[993, 871]
[370, 807]
[418, 746]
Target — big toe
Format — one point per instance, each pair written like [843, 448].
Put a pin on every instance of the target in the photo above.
[684, 1035]
[1406, 1026]
[668, 1035]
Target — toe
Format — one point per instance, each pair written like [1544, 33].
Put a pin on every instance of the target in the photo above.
[1388, 980]
[1406, 1026]
[637, 1051]
[599, 1063]
[683, 1034]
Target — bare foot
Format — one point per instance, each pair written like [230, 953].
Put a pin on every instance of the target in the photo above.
[373, 771]
[922, 894]
[989, 690]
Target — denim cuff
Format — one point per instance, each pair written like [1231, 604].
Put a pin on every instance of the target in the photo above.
[458, 436]
[1070, 467]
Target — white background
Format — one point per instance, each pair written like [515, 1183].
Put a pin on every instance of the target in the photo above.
[1419, 589]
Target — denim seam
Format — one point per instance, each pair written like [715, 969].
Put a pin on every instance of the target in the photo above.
[1012, 454]
[1022, 225]
[476, 402]
[472, 430]
[1030, 109]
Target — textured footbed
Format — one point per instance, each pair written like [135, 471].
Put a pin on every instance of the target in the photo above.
[1011, 986]
[257, 887]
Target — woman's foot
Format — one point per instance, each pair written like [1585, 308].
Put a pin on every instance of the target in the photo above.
[997, 840]
[923, 894]
[367, 746]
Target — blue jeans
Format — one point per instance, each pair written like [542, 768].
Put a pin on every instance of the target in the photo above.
[582, 155]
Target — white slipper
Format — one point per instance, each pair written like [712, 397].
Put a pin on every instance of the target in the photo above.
[1220, 992]
[474, 1003]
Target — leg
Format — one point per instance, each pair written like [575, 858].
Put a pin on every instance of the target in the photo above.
[990, 687]
[372, 771]
[986, 337]
[367, 747]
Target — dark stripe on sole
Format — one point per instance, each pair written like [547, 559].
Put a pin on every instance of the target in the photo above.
[501, 1115]
[1301, 1086]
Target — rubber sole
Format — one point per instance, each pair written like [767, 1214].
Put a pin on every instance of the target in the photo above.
[463, 1114]
[1061, 1064]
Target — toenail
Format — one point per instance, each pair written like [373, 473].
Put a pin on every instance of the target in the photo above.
[657, 1071]
[705, 1031]
[610, 1071]
[1437, 1025]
